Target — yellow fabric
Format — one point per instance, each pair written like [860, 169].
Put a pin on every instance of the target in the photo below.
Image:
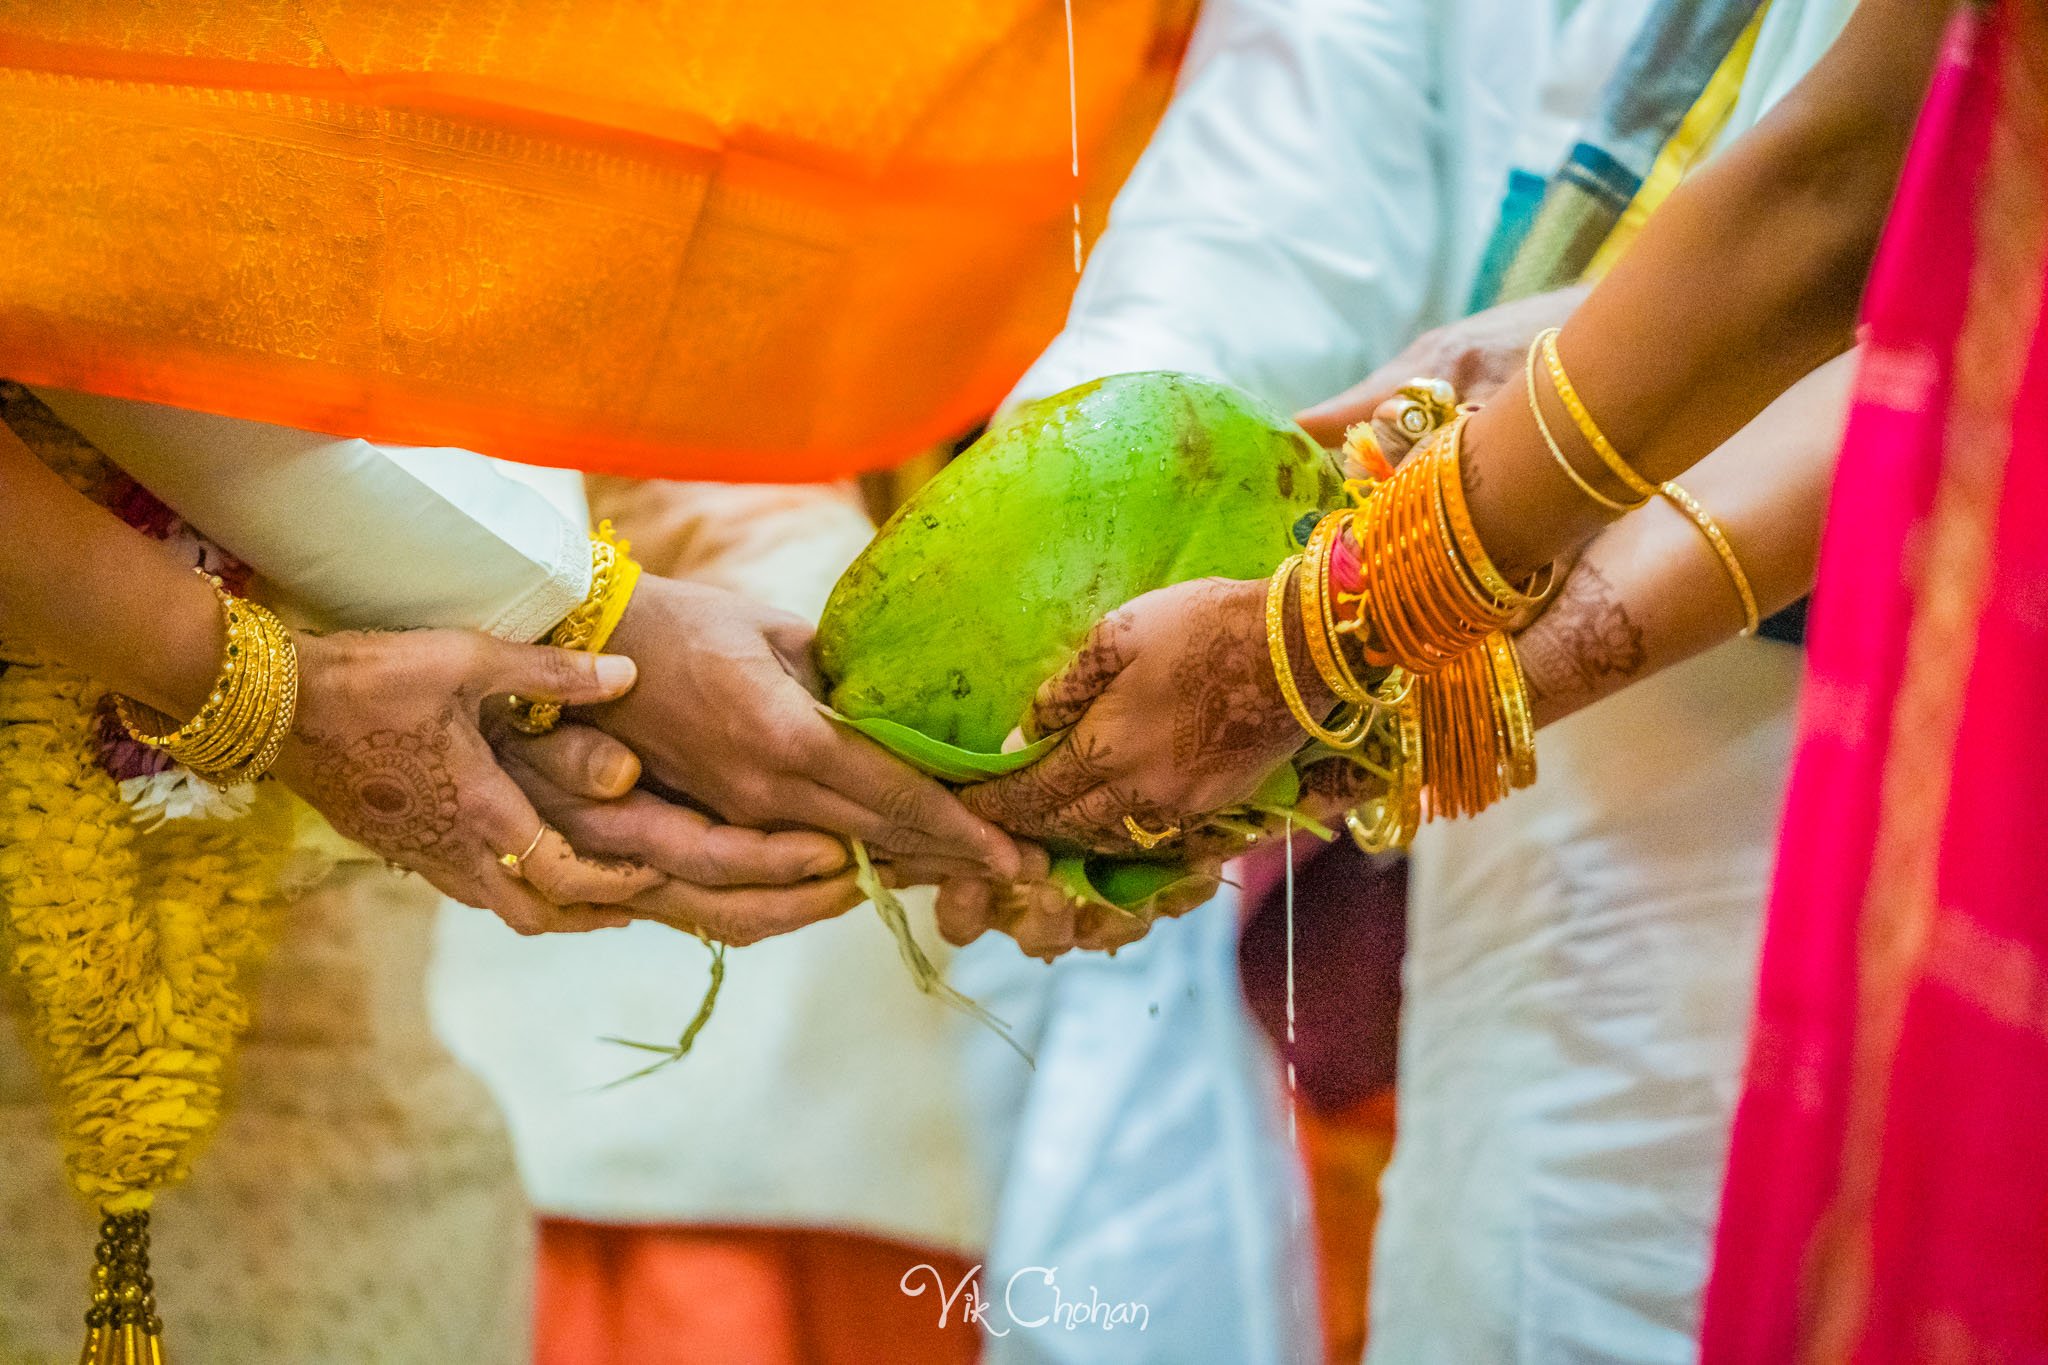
[710, 238]
[1696, 136]
[625, 576]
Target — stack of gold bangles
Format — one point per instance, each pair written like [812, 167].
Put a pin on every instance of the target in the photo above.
[1437, 704]
[1402, 580]
[242, 726]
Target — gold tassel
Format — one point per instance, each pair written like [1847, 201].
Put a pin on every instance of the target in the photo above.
[122, 1326]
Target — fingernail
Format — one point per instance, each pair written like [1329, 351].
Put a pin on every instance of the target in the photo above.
[613, 771]
[1014, 741]
[615, 672]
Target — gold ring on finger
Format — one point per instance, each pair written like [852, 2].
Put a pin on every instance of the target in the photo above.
[1426, 404]
[1147, 839]
[511, 861]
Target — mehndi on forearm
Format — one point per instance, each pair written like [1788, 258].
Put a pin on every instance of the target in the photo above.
[1651, 591]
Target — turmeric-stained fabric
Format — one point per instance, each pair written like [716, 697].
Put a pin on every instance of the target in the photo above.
[731, 239]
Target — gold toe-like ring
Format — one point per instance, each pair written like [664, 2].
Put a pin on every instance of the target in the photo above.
[1149, 839]
[511, 861]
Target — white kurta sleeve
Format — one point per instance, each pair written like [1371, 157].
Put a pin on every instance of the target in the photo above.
[1324, 183]
[352, 534]
[1280, 229]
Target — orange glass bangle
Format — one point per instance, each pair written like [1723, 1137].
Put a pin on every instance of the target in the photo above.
[1451, 493]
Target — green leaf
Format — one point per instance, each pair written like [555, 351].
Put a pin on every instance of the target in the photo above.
[947, 762]
[1131, 885]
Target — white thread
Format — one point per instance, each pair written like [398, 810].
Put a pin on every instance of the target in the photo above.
[1074, 133]
[1293, 1097]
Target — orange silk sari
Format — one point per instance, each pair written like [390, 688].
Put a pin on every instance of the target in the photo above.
[733, 239]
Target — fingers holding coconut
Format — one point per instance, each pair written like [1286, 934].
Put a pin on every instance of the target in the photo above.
[1104, 928]
[965, 910]
[1040, 916]
[723, 715]
[899, 810]
[1065, 697]
[1190, 723]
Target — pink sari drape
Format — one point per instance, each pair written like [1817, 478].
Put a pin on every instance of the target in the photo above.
[1887, 1196]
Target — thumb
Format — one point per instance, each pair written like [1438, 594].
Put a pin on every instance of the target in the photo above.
[1328, 420]
[579, 759]
[1063, 698]
[545, 673]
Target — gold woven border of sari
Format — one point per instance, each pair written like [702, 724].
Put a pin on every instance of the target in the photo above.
[759, 245]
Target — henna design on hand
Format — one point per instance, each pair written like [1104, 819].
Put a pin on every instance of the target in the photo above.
[1077, 767]
[1228, 713]
[389, 790]
[1067, 696]
[1585, 644]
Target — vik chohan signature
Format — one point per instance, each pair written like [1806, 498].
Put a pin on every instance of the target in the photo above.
[1031, 1300]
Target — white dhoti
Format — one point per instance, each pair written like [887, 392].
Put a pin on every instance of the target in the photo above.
[1157, 1172]
[1577, 996]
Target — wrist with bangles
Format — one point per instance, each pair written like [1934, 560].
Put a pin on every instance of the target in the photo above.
[613, 575]
[1441, 711]
[1448, 725]
[242, 725]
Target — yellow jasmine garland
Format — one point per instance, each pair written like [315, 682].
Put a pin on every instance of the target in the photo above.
[132, 948]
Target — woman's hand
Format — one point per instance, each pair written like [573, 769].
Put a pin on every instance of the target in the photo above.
[727, 715]
[1172, 713]
[387, 746]
[1047, 922]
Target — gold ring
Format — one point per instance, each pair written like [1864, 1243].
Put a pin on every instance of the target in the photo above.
[1149, 839]
[511, 861]
[1426, 404]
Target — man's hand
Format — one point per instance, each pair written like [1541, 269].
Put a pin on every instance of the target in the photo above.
[1479, 355]
[734, 885]
[726, 715]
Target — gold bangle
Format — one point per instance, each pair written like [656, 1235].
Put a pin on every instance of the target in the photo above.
[242, 726]
[1511, 688]
[613, 576]
[1318, 616]
[1354, 688]
[1451, 495]
[1359, 725]
[1425, 609]
[1711, 529]
[1579, 480]
[1588, 428]
[1390, 820]
[217, 699]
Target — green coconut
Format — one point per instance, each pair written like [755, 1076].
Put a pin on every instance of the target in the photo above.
[987, 580]
[985, 583]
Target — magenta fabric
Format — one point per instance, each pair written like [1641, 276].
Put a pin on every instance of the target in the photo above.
[1887, 1188]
